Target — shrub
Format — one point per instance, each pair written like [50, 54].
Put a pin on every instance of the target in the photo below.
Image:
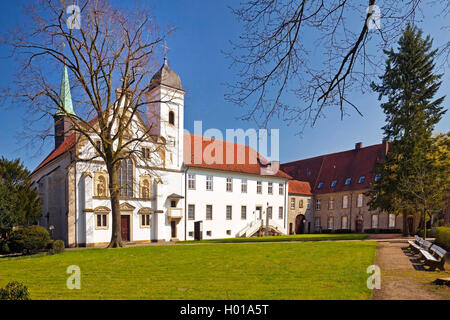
[420, 232]
[57, 247]
[14, 291]
[343, 231]
[29, 239]
[4, 248]
[443, 237]
[378, 230]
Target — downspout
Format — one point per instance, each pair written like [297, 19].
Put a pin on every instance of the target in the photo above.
[185, 203]
[286, 192]
[351, 205]
[76, 201]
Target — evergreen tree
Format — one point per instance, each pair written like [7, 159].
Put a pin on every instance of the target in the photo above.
[19, 203]
[410, 85]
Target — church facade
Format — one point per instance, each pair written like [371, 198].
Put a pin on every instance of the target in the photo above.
[164, 201]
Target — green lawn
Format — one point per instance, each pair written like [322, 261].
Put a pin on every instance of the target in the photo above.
[296, 237]
[310, 270]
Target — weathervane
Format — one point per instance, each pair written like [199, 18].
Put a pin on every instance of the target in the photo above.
[166, 49]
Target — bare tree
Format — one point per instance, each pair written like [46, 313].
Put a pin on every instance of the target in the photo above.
[110, 60]
[319, 50]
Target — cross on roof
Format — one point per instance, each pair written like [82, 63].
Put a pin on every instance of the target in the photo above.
[166, 49]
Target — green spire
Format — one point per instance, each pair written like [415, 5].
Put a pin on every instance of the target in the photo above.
[65, 96]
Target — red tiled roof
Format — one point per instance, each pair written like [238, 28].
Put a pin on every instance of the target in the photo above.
[338, 166]
[245, 159]
[299, 187]
[63, 148]
[245, 166]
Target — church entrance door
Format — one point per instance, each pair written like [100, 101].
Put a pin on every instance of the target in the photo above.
[125, 224]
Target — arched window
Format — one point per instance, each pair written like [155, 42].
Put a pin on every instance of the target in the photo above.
[101, 187]
[145, 189]
[171, 118]
[126, 178]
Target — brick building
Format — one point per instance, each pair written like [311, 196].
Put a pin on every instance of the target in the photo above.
[338, 182]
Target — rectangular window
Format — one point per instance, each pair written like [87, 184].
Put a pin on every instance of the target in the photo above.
[244, 185]
[229, 232]
[145, 153]
[191, 181]
[345, 202]
[318, 204]
[292, 203]
[209, 183]
[331, 204]
[229, 213]
[300, 203]
[208, 233]
[191, 212]
[344, 222]
[308, 205]
[270, 188]
[374, 221]
[259, 187]
[330, 223]
[229, 184]
[102, 221]
[280, 213]
[243, 212]
[280, 189]
[360, 200]
[391, 220]
[145, 220]
[269, 212]
[191, 233]
[317, 223]
[208, 212]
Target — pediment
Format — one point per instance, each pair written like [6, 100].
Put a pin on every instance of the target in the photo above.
[126, 207]
[145, 210]
[102, 209]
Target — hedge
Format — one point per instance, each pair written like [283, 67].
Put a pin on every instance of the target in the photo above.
[376, 230]
[28, 239]
[443, 237]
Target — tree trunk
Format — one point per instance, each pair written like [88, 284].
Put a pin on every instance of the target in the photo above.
[116, 236]
[405, 223]
[424, 225]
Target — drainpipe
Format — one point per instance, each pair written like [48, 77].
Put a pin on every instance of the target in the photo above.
[351, 205]
[185, 203]
[285, 205]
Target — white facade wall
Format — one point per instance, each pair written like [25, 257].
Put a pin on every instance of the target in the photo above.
[219, 198]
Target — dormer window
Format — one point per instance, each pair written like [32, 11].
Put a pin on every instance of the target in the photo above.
[320, 185]
[348, 181]
[333, 183]
[377, 177]
[172, 118]
[361, 179]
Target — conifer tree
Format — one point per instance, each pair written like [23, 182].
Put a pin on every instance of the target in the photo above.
[412, 111]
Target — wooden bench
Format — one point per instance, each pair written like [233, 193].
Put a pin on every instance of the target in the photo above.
[435, 258]
[415, 245]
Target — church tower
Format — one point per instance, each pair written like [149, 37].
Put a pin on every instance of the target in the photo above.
[62, 122]
[165, 113]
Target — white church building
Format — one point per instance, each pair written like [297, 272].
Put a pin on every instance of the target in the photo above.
[184, 197]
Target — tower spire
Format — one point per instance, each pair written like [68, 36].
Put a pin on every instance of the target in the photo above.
[65, 96]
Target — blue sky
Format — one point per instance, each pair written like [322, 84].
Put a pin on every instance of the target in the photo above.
[204, 29]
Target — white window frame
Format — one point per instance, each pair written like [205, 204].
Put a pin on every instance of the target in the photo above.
[209, 215]
[374, 221]
[230, 216]
[345, 201]
[270, 188]
[209, 183]
[243, 185]
[229, 185]
[280, 213]
[360, 200]
[191, 217]
[280, 189]
[392, 218]
[292, 203]
[191, 181]
[259, 187]
[318, 204]
[344, 225]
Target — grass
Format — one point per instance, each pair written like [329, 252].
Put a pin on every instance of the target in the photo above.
[311, 270]
[296, 237]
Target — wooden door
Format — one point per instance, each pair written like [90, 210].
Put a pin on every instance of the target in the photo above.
[125, 224]
[173, 226]
[359, 225]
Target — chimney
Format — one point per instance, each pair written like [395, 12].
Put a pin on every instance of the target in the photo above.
[358, 145]
[385, 146]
